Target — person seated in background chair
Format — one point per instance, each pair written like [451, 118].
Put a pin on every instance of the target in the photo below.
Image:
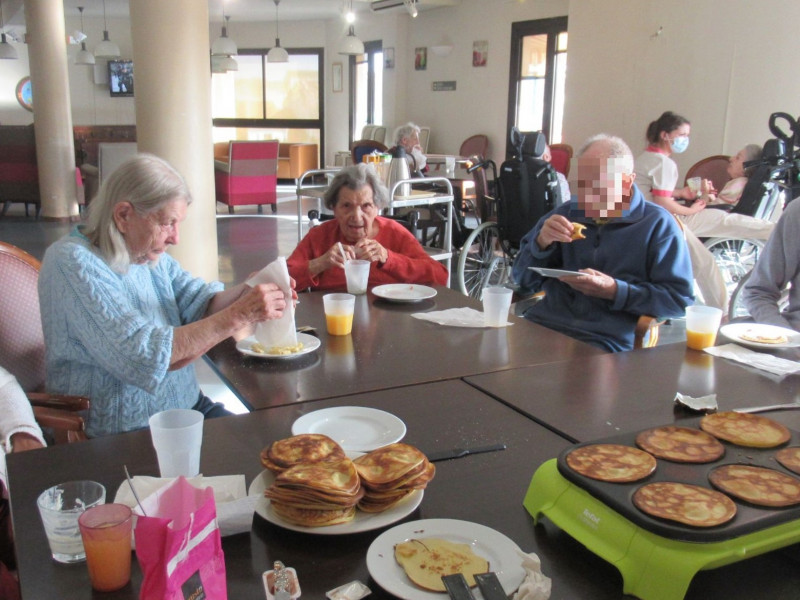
[407, 137]
[18, 432]
[632, 258]
[356, 197]
[563, 184]
[122, 320]
[777, 266]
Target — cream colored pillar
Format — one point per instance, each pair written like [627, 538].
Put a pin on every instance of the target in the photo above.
[173, 113]
[52, 116]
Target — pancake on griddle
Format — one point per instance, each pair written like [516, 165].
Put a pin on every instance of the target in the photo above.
[611, 462]
[426, 560]
[303, 448]
[744, 429]
[316, 494]
[391, 473]
[757, 485]
[789, 458]
[689, 504]
[680, 444]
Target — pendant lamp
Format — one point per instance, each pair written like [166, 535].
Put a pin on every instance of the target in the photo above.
[106, 48]
[83, 57]
[223, 45]
[276, 53]
[351, 45]
[7, 51]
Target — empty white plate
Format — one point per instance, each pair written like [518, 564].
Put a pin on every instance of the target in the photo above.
[355, 428]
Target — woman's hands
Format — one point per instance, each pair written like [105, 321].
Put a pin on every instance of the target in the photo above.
[371, 250]
[332, 258]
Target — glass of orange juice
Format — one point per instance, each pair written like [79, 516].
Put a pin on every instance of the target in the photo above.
[702, 323]
[339, 310]
[106, 533]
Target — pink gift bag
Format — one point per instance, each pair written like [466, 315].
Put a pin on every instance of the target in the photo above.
[178, 545]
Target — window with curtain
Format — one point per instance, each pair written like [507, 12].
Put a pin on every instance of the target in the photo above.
[264, 100]
[366, 94]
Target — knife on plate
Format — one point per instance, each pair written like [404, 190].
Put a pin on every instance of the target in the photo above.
[459, 452]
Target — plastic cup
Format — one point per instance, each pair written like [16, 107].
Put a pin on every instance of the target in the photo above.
[496, 303]
[356, 272]
[60, 506]
[339, 310]
[695, 184]
[106, 533]
[702, 323]
[177, 437]
[450, 164]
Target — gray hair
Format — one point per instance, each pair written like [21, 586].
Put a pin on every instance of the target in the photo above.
[617, 148]
[751, 152]
[354, 178]
[147, 182]
[405, 131]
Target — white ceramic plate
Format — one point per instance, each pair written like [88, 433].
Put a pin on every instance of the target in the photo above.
[310, 343]
[734, 332]
[554, 272]
[501, 552]
[362, 522]
[355, 428]
[404, 292]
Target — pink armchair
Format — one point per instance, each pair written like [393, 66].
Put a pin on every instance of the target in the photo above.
[250, 176]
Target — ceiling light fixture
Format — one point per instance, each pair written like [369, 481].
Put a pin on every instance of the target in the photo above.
[6, 49]
[411, 7]
[351, 45]
[83, 57]
[223, 45]
[277, 54]
[106, 48]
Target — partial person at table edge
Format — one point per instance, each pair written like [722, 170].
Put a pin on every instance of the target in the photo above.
[122, 320]
[356, 197]
[407, 137]
[633, 259]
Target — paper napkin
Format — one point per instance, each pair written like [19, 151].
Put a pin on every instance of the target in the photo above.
[536, 585]
[276, 332]
[766, 362]
[454, 317]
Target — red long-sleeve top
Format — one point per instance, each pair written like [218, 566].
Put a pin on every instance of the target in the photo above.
[407, 262]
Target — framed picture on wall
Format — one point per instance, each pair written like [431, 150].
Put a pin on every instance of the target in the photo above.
[420, 59]
[337, 76]
[388, 58]
[480, 53]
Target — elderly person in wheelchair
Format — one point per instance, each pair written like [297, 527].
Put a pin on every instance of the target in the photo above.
[630, 254]
[356, 197]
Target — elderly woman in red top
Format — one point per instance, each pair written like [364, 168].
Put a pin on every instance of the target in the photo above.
[356, 196]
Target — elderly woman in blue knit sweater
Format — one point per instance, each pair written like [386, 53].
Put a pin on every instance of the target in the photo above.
[122, 320]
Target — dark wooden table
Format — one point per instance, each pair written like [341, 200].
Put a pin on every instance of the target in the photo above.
[388, 348]
[603, 395]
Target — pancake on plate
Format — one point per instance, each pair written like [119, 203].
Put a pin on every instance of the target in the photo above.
[757, 485]
[689, 504]
[303, 448]
[680, 444]
[611, 462]
[317, 494]
[390, 473]
[744, 429]
[426, 560]
[789, 458]
[762, 337]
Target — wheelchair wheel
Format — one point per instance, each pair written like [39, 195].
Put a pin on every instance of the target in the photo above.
[736, 307]
[483, 260]
[735, 258]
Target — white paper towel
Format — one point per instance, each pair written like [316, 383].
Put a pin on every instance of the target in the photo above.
[276, 332]
[454, 317]
[766, 362]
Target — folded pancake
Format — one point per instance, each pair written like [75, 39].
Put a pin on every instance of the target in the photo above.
[577, 231]
[426, 560]
[757, 485]
[303, 448]
[744, 429]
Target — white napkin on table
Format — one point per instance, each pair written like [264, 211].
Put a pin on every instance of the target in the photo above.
[767, 362]
[536, 585]
[455, 317]
[276, 332]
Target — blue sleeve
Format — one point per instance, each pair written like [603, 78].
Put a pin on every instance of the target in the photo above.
[191, 294]
[530, 255]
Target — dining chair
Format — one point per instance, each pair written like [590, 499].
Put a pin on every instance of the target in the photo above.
[360, 148]
[22, 349]
[250, 176]
[561, 158]
[475, 145]
[714, 168]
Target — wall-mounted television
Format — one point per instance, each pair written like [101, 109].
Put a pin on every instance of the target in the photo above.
[120, 77]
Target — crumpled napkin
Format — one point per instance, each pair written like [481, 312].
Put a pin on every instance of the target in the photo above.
[234, 507]
[455, 317]
[700, 404]
[767, 362]
[536, 585]
[276, 332]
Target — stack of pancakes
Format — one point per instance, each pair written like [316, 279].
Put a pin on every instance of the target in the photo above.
[391, 473]
[299, 449]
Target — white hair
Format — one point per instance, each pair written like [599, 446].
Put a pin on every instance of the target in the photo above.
[617, 148]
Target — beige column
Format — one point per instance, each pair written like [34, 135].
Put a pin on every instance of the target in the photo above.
[173, 113]
[52, 116]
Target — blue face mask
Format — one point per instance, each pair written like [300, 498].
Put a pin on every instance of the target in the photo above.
[680, 144]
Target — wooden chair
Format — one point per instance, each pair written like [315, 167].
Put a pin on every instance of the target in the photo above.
[360, 148]
[714, 168]
[22, 345]
[475, 145]
[561, 158]
[250, 176]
